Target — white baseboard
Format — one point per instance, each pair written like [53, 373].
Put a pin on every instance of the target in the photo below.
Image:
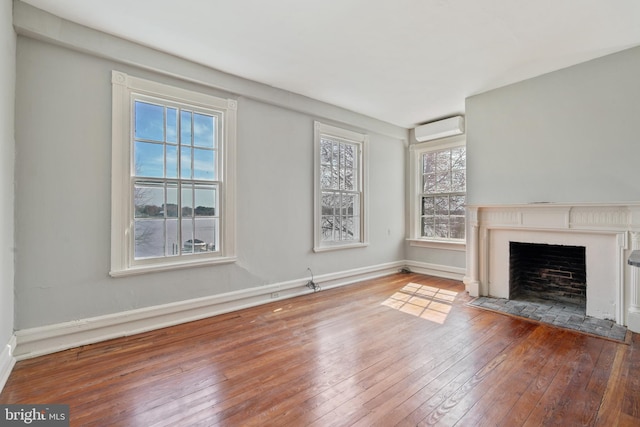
[7, 361]
[437, 270]
[48, 339]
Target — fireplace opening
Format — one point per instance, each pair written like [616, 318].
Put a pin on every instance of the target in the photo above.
[548, 272]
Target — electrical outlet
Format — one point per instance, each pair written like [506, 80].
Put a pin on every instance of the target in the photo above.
[275, 295]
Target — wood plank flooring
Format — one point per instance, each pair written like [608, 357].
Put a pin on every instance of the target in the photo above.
[401, 350]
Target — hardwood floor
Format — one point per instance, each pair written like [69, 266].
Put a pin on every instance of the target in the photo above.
[402, 350]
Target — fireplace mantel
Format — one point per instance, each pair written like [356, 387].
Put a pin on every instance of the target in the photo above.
[610, 231]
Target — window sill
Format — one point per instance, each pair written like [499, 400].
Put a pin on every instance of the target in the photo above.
[155, 268]
[451, 245]
[338, 247]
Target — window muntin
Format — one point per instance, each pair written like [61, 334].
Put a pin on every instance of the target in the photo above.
[173, 189]
[442, 193]
[340, 219]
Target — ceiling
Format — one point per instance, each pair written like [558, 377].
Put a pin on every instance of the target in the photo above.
[405, 62]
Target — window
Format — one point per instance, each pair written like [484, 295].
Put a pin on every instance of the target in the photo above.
[340, 188]
[172, 189]
[439, 191]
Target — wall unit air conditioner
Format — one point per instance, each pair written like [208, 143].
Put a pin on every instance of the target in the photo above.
[440, 129]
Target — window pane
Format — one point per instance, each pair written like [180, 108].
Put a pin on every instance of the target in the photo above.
[172, 125]
[428, 226]
[442, 227]
[185, 127]
[458, 181]
[429, 183]
[428, 163]
[347, 167]
[335, 178]
[337, 228]
[203, 130]
[172, 161]
[335, 156]
[350, 156]
[149, 238]
[347, 205]
[349, 180]
[204, 164]
[428, 206]
[443, 161]
[349, 228]
[325, 152]
[327, 227]
[173, 242]
[187, 201]
[356, 205]
[330, 203]
[149, 121]
[149, 159]
[458, 158]
[457, 227]
[185, 162]
[205, 201]
[325, 177]
[171, 207]
[457, 205]
[148, 199]
[443, 182]
[206, 234]
[356, 228]
[442, 205]
[188, 245]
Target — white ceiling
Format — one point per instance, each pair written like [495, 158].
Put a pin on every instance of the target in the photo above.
[401, 61]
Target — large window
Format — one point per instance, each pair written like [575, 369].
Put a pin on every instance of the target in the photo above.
[340, 220]
[439, 193]
[172, 191]
[443, 193]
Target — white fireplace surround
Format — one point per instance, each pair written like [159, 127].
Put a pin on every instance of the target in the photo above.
[609, 232]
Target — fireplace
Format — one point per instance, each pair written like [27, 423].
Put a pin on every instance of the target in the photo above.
[607, 233]
[548, 272]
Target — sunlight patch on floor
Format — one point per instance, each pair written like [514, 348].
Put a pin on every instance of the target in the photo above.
[422, 301]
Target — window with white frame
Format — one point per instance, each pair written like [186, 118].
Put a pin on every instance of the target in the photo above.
[340, 188]
[439, 193]
[172, 189]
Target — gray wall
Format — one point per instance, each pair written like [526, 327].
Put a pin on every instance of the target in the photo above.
[7, 100]
[442, 257]
[63, 166]
[568, 136]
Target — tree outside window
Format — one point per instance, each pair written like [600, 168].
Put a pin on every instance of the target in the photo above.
[442, 197]
[340, 188]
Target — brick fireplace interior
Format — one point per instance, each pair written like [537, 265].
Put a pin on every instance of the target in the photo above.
[548, 272]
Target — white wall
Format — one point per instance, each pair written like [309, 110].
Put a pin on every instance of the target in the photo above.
[63, 166]
[568, 136]
[7, 146]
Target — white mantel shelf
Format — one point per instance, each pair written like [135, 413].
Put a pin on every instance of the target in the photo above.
[608, 231]
[582, 216]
